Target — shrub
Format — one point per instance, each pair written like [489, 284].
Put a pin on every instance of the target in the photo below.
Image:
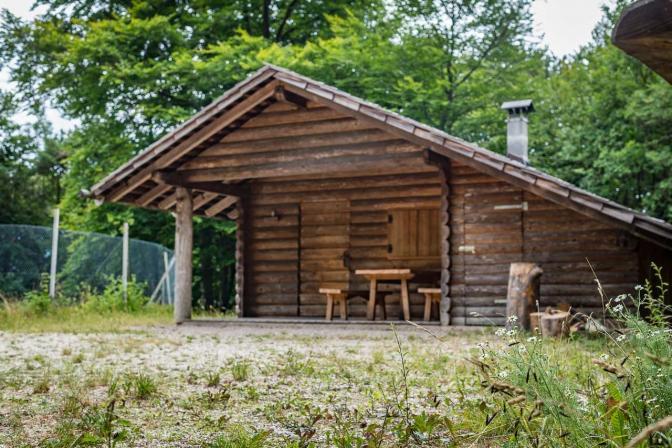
[112, 298]
[37, 303]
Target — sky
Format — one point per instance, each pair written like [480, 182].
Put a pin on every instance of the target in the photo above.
[562, 25]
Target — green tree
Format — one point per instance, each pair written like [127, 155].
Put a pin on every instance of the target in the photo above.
[603, 123]
[129, 71]
[27, 196]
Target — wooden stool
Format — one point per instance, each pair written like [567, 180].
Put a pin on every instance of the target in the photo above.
[432, 296]
[335, 296]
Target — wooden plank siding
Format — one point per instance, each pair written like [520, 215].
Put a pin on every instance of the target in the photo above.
[494, 224]
[319, 221]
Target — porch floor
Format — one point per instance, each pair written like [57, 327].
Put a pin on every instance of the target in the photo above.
[300, 321]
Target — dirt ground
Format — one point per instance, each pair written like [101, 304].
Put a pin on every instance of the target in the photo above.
[196, 385]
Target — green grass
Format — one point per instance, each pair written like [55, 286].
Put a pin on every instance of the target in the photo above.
[228, 388]
[74, 319]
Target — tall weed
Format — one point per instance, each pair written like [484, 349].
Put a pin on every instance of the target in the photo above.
[538, 392]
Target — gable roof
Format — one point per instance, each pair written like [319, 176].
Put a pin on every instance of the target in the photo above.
[239, 102]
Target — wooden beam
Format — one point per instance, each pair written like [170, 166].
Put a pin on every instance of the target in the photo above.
[202, 199]
[220, 206]
[267, 118]
[184, 239]
[280, 143]
[288, 97]
[168, 202]
[345, 124]
[177, 179]
[197, 138]
[375, 164]
[152, 194]
[298, 155]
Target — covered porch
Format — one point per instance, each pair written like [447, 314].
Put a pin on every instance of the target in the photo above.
[322, 202]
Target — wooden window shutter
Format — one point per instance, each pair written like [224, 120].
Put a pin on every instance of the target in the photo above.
[413, 234]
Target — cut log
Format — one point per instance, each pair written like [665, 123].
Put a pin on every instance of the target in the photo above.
[523, 292]
[555, 324]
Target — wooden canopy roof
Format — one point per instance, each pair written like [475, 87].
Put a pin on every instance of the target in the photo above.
[644, 31]
[148, 179]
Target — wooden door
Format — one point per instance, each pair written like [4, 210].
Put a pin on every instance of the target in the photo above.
[325, 238]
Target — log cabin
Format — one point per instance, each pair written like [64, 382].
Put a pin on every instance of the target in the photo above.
[322, 184]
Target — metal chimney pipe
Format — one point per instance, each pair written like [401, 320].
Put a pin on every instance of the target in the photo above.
[516, 124]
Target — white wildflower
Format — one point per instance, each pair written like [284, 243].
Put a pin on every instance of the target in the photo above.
[583, 402]
[503, 374]
[512, 319]
[510, 333]
[604, 357]
[500, 332]
[618, 308]
[620, 338]
[532, 339]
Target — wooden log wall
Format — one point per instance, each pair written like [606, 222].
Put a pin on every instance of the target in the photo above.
[322, 185]
[301, 228]
[494, 224]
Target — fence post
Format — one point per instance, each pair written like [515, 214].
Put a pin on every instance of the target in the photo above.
[124, 263]
[166, 266]
[54, 253]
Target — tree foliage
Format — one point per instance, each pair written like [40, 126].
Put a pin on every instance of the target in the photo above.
[128, 71]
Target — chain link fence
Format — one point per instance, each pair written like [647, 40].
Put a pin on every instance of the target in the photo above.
[84, 259]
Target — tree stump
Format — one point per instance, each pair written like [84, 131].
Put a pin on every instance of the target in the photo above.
[523, 292]
[555, 324]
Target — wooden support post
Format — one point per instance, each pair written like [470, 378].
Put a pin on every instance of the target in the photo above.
[343, 306]
[405, 306]
[124, 263]
[330, 307]
[54, 253]
[523, 292]
[184, 236]
[444, 229]
[371, 305]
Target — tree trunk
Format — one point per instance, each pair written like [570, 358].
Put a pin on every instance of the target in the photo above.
[184, 238]
[523, 292]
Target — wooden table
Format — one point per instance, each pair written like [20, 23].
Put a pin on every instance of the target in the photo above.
[376, 275]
